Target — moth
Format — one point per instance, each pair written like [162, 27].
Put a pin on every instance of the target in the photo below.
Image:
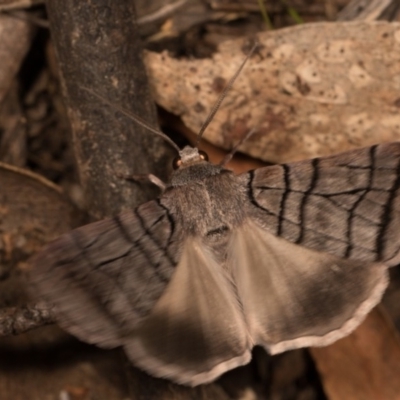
[284, 256]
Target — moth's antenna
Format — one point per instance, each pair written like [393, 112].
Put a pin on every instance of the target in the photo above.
[228, 157]
[223, 95]
[135, 118]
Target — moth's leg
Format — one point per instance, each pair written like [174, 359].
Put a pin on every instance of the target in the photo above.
[155, 180]
[147, 178]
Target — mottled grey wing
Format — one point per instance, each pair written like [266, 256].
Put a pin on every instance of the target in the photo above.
[295, 297]
[105, 277]
[347, 205]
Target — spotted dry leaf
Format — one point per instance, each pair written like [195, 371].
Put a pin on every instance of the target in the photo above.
[310, 90]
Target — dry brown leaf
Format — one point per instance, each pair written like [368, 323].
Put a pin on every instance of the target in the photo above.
[15, 40]
[314, 89]
[33, 211]
[364, 365]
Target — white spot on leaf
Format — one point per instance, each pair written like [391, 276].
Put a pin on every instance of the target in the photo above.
[308, 71]
[359, 77]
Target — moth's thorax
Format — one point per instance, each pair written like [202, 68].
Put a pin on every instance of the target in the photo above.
[194, 172]
[205, 198]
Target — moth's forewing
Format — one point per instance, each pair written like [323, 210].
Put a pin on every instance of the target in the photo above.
[347, 205]
[105, 277]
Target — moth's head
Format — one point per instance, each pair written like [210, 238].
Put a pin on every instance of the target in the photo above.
[191, 167]
[189, 156]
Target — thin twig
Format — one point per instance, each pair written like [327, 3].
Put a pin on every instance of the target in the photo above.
[16, 320]
[19, 4]
[162, 13]
[365, 10]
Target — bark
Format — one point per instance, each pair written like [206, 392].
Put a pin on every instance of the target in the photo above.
[98, 47]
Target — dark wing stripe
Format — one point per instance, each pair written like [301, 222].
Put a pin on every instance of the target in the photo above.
[351, 212]
[362, 217]
[139, 246]
[170, 220]
[110, 260]
[101, 299]
[150, 235]
[282, 207]
[358, 167]
[123, 230]
[252, 197]
[344, 192]
[313, 183]
[66, 261]
[386, 214]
